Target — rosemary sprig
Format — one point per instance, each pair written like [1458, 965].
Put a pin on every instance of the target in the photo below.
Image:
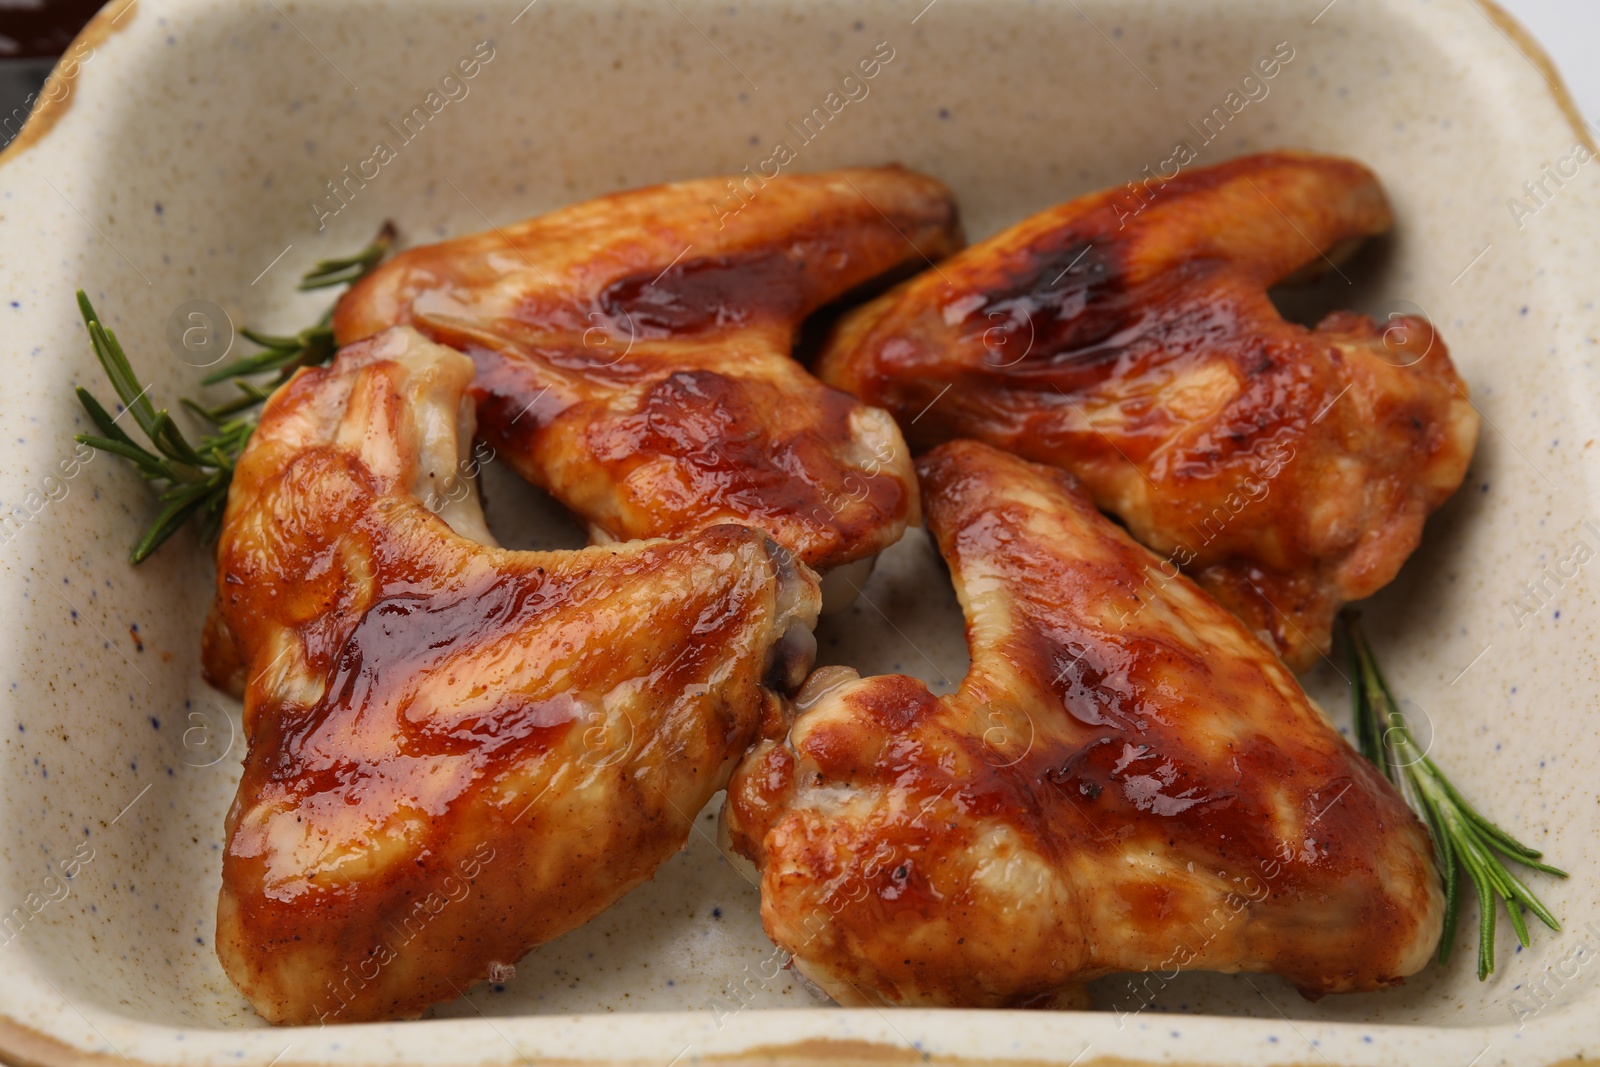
[312, 346]
[1464, 839]
[194, 479]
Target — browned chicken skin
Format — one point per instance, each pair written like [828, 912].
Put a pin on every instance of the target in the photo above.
[633, 352]
[1127, 779]
[456, 751]
[1128, 338]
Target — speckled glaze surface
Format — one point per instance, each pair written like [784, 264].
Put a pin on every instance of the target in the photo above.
[186, 161]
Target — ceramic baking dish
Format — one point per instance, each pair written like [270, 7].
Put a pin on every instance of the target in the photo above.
[204, 152]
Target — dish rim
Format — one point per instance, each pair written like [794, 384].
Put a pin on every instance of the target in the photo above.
[24, 1046]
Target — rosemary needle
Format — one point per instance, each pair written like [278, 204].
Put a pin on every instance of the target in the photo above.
[1464, 840]
[313, 345]
[194, 478]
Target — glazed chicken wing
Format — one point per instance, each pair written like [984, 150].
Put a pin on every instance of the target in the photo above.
[1128, 337]
[1127, 779]
[456, 751]
[633, 352]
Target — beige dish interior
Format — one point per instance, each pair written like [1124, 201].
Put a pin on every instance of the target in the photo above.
[184, 165]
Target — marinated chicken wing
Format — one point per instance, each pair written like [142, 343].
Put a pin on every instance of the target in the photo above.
[1128, 337]
[633, 352]
[456, 751]
[1127, 779]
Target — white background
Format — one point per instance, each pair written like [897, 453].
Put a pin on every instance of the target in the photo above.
[1570, 32]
